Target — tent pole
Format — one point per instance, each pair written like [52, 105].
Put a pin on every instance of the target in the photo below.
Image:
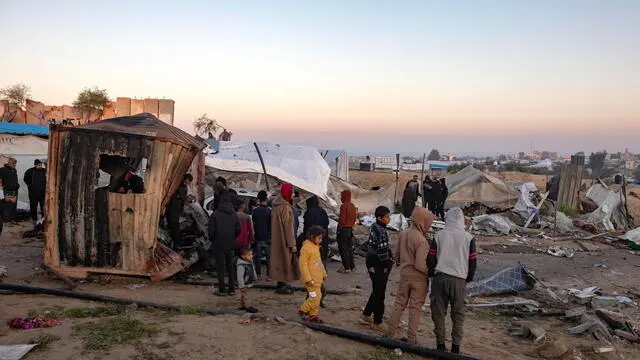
[424, 159]
[264, 169]
[395, 193]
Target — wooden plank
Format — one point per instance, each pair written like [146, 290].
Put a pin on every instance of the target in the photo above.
[544, 197]
[51, 250]
[128, 239]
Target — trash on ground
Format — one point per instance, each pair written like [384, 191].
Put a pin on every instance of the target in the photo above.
[527, 330]
[3, 271]
[135, 286]
[584, 296]
[509, 280]
[553, 350]
[564, 223]
[15, 352]
[34, 322]
[492, 224]
[561, 252]
[511, 301]
[609, 301]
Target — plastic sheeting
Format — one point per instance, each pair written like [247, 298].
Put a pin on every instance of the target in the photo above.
[470, 185]
[509, 280]
[492, 224]
[301, 166]
[524, 201]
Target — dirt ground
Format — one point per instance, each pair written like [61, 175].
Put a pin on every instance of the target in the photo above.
[205, 337]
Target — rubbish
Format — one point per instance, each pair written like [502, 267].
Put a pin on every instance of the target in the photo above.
[509, 280]
[527, 330]
[34, 322]
[584, 296]
[517, 240]
[593, 325]
[617, 320]
[553, 350]
[524, 203]
[492, 224]
[3, 271]
[575, 312]
[600, 349]
[561, 252]
[585, 225]
[15, 352]
[626, 335]
[633, 237]
[563, 223]
[135, 286]
[604, 266]
[512, 301]
[609, 301]
[609, 206]
[398, 222]
[397, 352]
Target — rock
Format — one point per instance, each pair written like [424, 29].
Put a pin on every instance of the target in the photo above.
[575, 312]
[553, 350]
[536, 333]
[600, 349]
[605, 301]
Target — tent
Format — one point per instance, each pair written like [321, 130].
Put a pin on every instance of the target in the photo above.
[25, 143]
[544, 164]
[301, 166]
[338, 161]
[471, 186]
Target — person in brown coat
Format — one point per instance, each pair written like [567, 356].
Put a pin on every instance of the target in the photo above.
[410, 254]
[283, 265]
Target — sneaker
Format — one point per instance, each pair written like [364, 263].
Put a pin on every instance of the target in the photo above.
[366, 320]
[314, 319]
[303, 315]
[380, 328]
[455, 349]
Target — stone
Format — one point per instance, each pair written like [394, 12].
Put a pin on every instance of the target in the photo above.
[575, 312]
[553, 350]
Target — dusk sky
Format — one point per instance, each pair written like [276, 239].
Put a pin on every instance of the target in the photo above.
[367, 76]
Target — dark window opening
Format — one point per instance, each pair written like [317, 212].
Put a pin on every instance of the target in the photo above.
[126, 175]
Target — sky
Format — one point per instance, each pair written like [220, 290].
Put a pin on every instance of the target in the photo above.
[367, 76]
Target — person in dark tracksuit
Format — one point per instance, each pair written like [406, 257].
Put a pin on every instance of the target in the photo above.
[261, 217]
[175, 207]
[452, 264]
[36, 180]
[379, 262]
[10, 186]
[224, 228]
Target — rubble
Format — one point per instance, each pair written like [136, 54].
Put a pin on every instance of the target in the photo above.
[509, 280]
[561, 252]
[527, 330]
[15, 352]
[492, 224]
[553, 350]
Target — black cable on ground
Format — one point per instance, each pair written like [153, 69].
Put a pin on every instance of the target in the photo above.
[351, 335]
[260, 286]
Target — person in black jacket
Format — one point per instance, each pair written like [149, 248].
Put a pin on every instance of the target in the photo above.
[36, 180]
[175, 207]
[10, 186]
[224, 228]
[261, 217]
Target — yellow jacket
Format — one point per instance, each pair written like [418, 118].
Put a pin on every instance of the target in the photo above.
[311, 267]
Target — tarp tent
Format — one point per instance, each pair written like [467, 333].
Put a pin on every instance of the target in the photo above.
[302, 166]
[338, 161]
[470, 186]
[16, 142]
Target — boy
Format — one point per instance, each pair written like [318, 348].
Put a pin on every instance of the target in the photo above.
[410, 253]
[452, 263]
[246, 237]
[261, 216]
[379, 263]
[345, 232]
[246, 275]
[313, 274]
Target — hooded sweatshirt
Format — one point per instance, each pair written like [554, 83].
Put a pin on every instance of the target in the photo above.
[453, 251]
[348, 211]
[412, 249]
[315, 216]
[224, 227]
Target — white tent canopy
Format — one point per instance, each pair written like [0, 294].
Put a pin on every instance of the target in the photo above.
[301, 166]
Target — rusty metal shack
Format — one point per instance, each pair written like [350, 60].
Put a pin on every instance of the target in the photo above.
[107, 229]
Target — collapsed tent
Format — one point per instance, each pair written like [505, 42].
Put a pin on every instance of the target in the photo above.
[509, 280]
[610, 207]
[471, 186]
[301, 166]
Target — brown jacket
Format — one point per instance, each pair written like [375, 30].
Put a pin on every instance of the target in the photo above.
[283, 263]
[348, 212]
[411, 250]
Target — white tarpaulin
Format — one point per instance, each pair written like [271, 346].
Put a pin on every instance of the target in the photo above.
[301, 166]
[524, 201]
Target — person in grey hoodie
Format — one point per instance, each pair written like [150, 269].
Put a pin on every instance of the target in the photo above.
[224, 228]
[246, 275]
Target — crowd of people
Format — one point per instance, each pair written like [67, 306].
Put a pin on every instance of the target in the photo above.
[36, 180]
[446, 263]
[434, 195]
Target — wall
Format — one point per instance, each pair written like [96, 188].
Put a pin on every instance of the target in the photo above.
[163, 109]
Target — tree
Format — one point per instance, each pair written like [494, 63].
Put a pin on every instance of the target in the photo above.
[207, 127]
[17, 94]
[92, 101]
[596, 161]
[434, 155]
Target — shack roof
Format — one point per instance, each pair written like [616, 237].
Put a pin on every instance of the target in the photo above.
[144, 124]
[23, 129]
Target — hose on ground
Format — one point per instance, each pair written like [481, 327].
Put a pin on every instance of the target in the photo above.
[351, 335]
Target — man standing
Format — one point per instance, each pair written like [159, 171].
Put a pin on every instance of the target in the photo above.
[283, 265]
[452, 264]
[36, 180]
[427, 193]
[410, 196]
[175, 207]
[10, 186]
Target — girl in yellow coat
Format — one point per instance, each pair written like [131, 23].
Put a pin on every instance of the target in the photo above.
[313, 274]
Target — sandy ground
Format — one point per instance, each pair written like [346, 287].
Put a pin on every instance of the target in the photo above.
[206, 337]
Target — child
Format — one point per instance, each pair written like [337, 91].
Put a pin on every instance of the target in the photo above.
[410, 253]
[261, 216]
[246, 238]
[313, 274]
[452, 264]
[379, 263]
[246, 275]
[345, 232]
